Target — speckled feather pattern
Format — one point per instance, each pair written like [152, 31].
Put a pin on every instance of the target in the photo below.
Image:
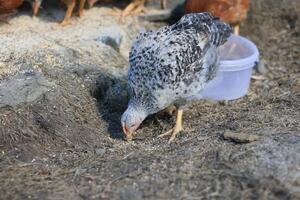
[175, 62]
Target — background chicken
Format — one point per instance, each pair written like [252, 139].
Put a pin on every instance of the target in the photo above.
[230, 11]
[71, 4]
[70, 7]
[137, 6]
[134, 7]
[7, 7]
[35, 5]
[92, 2]
[171, 65]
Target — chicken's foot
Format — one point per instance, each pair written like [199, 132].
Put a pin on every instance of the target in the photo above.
[177, 128]
[71, 5]
[81, 7]
[163, 4]
[134, 7]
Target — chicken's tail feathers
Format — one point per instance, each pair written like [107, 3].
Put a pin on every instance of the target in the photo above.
[217, 30]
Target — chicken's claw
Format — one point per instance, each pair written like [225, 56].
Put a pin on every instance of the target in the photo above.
[174, 131]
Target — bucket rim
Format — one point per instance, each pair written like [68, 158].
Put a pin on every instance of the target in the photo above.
[244, 63]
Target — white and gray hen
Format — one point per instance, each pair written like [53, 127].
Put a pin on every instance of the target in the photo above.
[172, 64]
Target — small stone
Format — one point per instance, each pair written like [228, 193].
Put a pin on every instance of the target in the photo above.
[79, 171]
[240, 137]
[100, 152]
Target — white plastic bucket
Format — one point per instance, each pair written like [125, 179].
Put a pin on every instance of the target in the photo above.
[237, 59]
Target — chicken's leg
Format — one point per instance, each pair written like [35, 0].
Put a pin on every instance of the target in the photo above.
[236, 29]
[163, 4]
[134, 7]
[81, 7]
[70, 4]
[177, 128]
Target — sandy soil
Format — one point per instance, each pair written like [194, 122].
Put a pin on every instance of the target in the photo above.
[65, 142]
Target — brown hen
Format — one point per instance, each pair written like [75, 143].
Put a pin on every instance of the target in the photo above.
[7, 7]
[230, 11]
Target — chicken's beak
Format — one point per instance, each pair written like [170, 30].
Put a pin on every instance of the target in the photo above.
[127, 132]
[36, 7]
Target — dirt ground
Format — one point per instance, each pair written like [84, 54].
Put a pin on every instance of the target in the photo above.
[65, 141]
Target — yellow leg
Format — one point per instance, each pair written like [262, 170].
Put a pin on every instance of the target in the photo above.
[163, 4]
[177, 128]
[138, 10]
[71, 5]
[236, 29]
[81, 7]
[135, 5]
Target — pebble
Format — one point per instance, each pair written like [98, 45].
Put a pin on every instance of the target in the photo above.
[100, 152]
[240, 137]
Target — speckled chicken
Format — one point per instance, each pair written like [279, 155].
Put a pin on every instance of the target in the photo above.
[230, 11]
[171, 65]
